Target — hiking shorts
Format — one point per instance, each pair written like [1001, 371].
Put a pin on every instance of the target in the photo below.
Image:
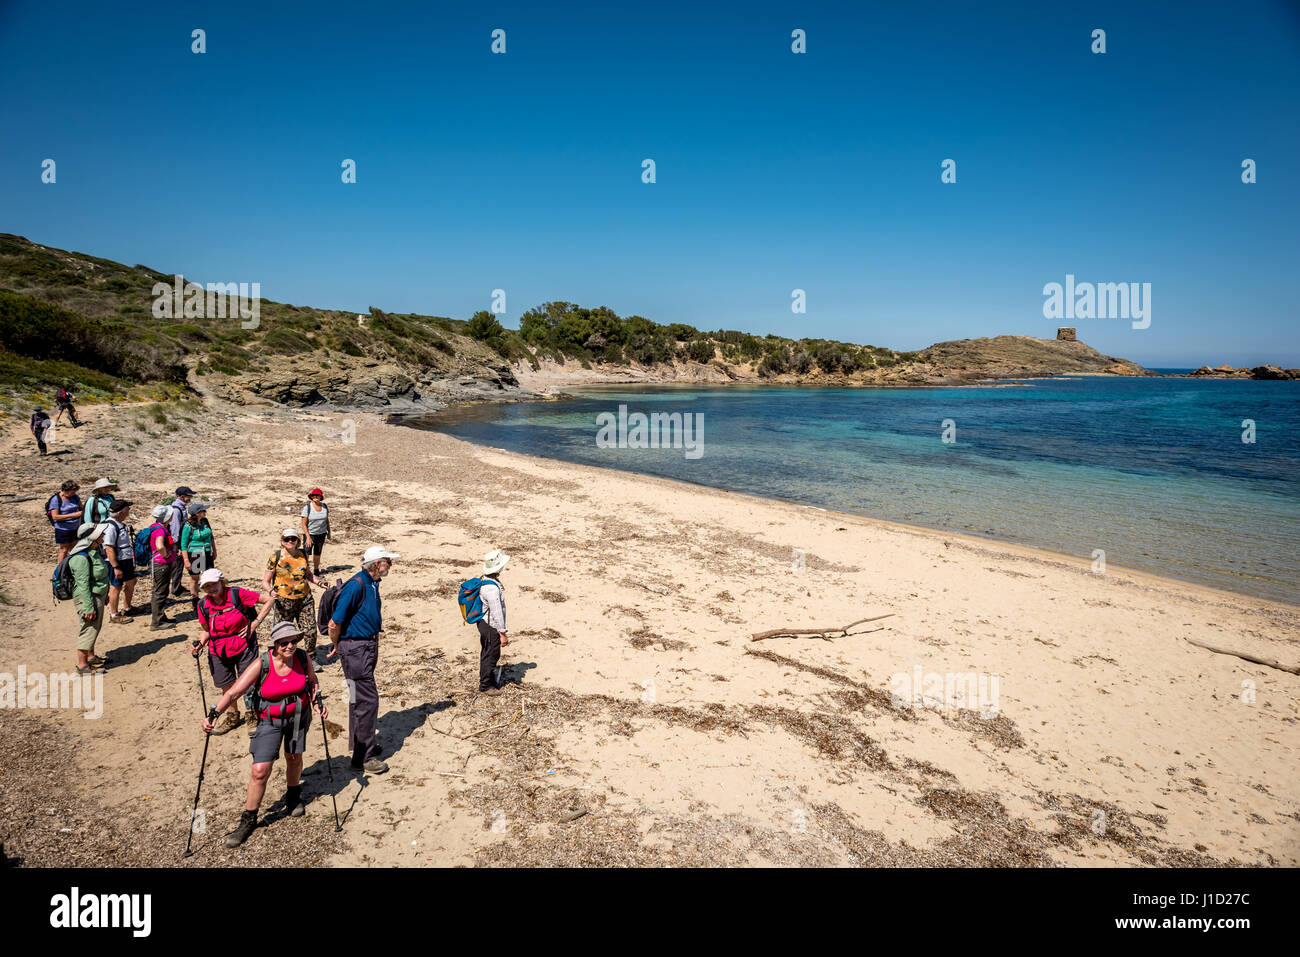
[226, 670]
[273, 735]
[128, 575]
[63, 536]
[317, 545]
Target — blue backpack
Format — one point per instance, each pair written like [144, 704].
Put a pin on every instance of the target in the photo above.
[140, 545]
[471, 605]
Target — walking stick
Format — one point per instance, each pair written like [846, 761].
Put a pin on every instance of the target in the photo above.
[325, 739]
[212, 716]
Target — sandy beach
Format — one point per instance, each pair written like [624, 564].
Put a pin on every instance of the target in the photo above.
[643, 726]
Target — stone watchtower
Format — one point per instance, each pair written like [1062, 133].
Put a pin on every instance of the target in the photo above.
[1065, 334]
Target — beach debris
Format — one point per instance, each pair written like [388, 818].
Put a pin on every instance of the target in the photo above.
[823, 633]
[1267, 662]
[573, 815]
[657, 589]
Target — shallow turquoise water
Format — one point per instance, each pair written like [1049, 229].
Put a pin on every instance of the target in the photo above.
[1152, 471]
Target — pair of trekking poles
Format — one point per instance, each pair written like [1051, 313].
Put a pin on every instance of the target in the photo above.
[212, 716]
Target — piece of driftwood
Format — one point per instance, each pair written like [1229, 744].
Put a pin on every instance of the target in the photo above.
[9, 499]
[1267, 662]
[657, 589]
[819, 632]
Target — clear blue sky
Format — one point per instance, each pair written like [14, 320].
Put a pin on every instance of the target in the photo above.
[775, 171]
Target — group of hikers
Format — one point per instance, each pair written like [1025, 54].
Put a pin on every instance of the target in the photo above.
[41, 424]
[100, 551]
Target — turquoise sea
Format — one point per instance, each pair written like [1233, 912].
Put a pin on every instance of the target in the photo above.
[1154, 472]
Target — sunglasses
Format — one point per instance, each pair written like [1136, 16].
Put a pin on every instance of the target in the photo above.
[287, 641]
[294, 539]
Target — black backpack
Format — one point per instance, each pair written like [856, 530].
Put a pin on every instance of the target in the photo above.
[62, 582]
[325, 608]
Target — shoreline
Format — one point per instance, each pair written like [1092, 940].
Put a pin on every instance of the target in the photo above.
[1064, 559]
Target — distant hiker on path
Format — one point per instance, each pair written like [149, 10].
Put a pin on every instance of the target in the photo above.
[180, 512]
[354, 628]
[41, 425]
[64, 512]
[289, 579]
[120, 552]
[229, 618]
[315, 527]
[64, 399]
[101, 497]
[286, 685]
[198, 550]
[492, 626]
[162, 555]
[90, 574]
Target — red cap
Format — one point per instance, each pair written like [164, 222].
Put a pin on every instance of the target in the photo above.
[315, 491]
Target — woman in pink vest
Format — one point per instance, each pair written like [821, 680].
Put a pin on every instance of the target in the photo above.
[286, 685]
[229, 618]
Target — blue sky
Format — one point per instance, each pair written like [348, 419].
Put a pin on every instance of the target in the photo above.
[775, 171]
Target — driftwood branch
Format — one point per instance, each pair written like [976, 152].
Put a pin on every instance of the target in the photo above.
[10, 499]
[819, 632]
[1267, 662]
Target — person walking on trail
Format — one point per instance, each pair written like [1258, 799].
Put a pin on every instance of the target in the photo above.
[229, 618]
[198, 551]
[354, 629]
[64, 399]
[285, 686]
[162, 554]
[315, 526]
[119, 550]
[97, 506]
[64, 512]
[180, 512]
[289, 579]
[492, 632]
[89, 592]
[40, 426]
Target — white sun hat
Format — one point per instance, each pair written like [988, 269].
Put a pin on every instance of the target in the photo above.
[494, 561]
[376, 552]
[163, 513]
[210, 576]
[104, 483]
[290, 533]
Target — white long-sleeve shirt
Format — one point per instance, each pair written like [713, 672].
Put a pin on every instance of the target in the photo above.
[493, 597]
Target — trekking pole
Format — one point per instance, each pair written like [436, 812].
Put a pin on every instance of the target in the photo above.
[199, 668]
[329, 769]
[212, 716]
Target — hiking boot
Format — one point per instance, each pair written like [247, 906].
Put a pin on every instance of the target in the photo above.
[228, 722]
[124, 619]
[489, 692]
[96, 662]
[247, 821]
[89, 669]
[375, 766]
[293, 802]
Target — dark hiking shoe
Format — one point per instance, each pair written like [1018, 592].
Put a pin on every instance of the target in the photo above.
[490, 692]
[247, 821]
[374, 766]
[293, 802]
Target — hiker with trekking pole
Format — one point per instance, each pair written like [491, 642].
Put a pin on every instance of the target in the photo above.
[229, 617]
[281, 686]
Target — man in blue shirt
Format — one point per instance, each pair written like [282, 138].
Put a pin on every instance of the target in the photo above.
[354, 629]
